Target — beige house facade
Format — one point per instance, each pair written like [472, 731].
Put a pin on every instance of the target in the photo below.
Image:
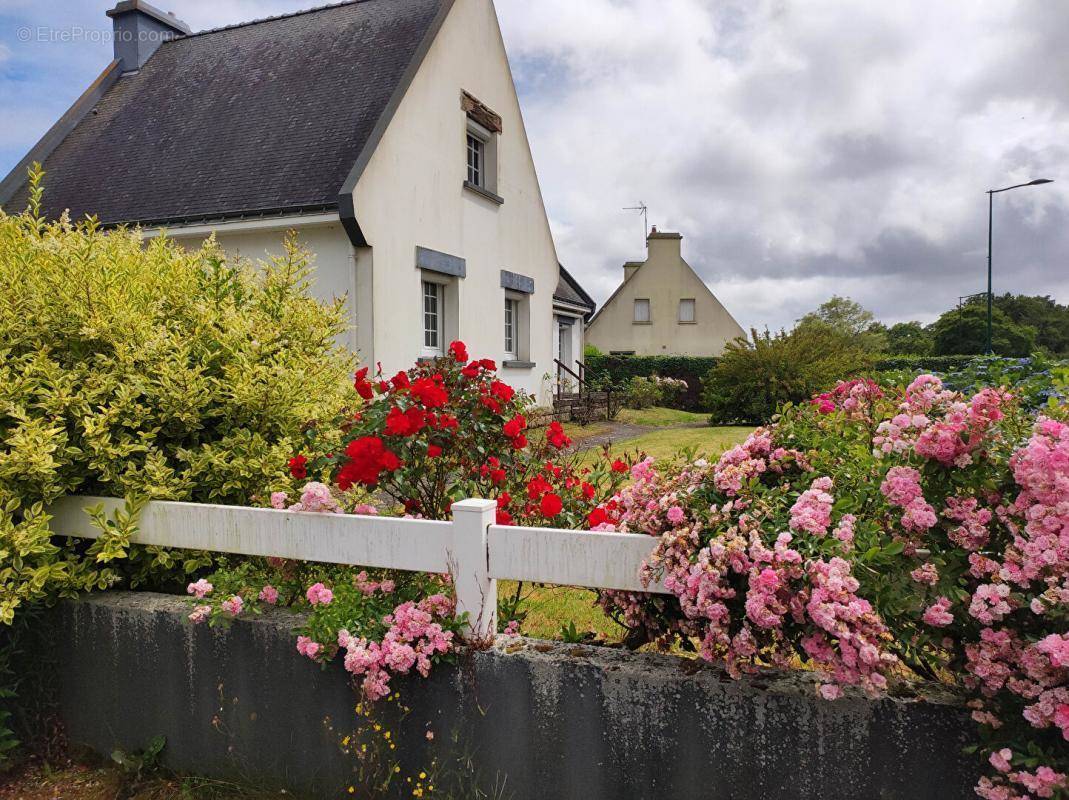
[389, 138]
[662, 308]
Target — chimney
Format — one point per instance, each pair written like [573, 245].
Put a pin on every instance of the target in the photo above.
[664, 244]
[140, 28]
[631, 267]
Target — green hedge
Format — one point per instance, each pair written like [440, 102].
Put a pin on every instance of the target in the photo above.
[925, 363]
[617, 372]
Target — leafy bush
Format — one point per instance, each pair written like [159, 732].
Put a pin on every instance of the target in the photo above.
[922, 363]
[643, 393]
[144, 370]
[617, 372]
[753, 378]
[875, 535]
[1037, 382]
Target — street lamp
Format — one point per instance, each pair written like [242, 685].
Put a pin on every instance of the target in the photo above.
[990, 213]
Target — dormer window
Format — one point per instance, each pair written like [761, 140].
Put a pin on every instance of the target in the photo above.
[482, 132]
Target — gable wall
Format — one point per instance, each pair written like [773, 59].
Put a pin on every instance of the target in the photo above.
[411, 194]
[664, 279]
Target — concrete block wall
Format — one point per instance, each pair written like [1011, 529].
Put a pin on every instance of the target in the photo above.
[524, 719]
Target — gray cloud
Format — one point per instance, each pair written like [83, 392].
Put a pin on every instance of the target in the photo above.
[802, 147]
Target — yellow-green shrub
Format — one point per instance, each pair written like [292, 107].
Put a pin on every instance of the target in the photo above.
[144, 370]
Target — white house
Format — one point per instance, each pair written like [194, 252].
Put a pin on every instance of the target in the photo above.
[662, 308]
[387, 133]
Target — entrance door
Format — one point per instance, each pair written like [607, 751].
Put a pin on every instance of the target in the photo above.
[564, 343]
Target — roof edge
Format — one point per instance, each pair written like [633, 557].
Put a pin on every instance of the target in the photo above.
[346, 201]
[55, 135]
[579, 290]
[223, 216]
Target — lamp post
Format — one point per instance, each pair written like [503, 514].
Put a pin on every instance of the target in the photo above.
[990, 215]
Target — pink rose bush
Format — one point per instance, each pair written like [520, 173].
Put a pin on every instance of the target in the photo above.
[878, 535]
[382, 624]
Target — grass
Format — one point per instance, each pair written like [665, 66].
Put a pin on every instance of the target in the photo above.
[548, 608]
[666, 444]
[37, 781]
[658, 417]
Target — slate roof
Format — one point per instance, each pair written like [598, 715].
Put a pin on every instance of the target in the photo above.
[569, 290]
[260, 117]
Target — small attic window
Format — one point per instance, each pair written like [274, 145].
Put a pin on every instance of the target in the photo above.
[480, 150]
[686, 310]
[642, 311]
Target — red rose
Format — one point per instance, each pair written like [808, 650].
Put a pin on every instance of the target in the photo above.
[488, 364]
[405, 423]
[368, 459]
[433, 451]
[550, 505]
[619, 466]
[471, 371]
[497, 476]
[504, 499]
[514, 426]
[597, 517]
[491, 404]
[504, 517]
[519, 442]
[430, 392]
[588, 491]
[400, 380]
[458, 351]
[502, 391]
[362, 384]
[556, 436]
[537, 487]
[298, 467]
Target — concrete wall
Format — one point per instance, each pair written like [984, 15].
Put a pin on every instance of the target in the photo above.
[664, 278]
[411, 194]
[545, 720]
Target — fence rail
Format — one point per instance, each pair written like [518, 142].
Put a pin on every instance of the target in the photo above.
[471, 547]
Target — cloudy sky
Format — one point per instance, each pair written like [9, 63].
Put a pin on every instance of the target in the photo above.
[802, 147]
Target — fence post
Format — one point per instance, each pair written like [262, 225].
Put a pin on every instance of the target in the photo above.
[476, 591]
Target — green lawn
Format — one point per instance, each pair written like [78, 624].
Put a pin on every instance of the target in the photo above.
[660, 416]
[665, 444]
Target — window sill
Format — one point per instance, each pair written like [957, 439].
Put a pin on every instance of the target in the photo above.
[687, 322]
[636, 322]
[484, 193]
[517, 364]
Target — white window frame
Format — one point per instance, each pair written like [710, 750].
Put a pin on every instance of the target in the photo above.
[512, 326]
[475, 149]
[439, 315]
[693, 310]
[649, 311]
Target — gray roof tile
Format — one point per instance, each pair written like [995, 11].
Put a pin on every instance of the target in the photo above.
[251, 118]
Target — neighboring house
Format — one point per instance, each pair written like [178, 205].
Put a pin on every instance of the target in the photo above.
[662, 308]
[387, 133]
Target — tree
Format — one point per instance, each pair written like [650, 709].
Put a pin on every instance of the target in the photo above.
[849, 317]
[963, 331]
[909, 339]
[753, 378]
[1050, 319]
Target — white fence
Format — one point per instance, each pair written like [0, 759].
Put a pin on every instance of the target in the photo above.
[471, 547]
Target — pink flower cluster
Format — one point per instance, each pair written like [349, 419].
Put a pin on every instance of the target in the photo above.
[855, 397]
[415, 637]
[319, 595]
[812, 511]
[315, 497]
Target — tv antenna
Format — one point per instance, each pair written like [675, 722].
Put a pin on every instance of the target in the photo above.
[645, 220]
